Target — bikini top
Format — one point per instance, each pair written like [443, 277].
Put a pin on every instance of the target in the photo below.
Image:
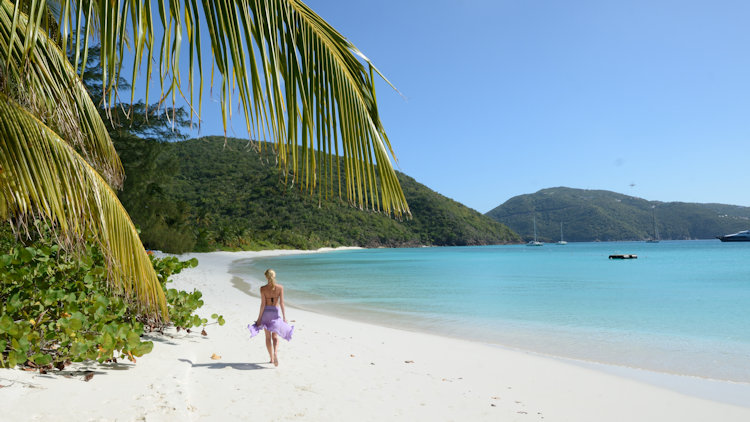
[272, 299]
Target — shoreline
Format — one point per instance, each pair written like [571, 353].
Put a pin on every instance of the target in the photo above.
[667, 353]
[342, 369]
[703, 387]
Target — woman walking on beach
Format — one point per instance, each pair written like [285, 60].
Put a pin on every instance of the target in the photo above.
[269, 320]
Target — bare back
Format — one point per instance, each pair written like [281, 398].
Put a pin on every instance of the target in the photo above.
[272, 296]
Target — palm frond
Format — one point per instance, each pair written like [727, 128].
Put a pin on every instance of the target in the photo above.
[43, 177]
[36, 72]
[299, 82]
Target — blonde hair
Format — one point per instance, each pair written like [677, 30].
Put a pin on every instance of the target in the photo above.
[271, 277]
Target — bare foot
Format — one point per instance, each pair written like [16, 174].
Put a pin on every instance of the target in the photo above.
[275, 359]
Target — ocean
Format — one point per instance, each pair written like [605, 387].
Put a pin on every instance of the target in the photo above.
[681, 307]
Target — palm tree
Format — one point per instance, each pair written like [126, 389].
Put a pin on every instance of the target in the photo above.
[299, 83]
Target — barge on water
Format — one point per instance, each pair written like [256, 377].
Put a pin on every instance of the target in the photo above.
[624, 256]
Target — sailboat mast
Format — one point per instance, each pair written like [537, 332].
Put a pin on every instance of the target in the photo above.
[654, 239]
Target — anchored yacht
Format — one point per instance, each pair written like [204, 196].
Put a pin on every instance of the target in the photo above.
[743, 236]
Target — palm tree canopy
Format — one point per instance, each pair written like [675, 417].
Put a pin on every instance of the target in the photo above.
[43, 176]
[298, 81]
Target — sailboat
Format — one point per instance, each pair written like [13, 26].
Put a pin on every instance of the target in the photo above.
[561, 242]
[534, 242]
[655, 239]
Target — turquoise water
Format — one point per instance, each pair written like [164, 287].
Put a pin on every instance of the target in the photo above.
[681, 307]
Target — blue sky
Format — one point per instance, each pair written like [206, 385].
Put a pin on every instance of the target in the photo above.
[502, 98]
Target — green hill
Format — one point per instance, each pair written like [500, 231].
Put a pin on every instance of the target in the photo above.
[201, 195]
[598, 215]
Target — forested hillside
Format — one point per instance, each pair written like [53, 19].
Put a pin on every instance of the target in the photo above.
[598, 215]
[203, 195]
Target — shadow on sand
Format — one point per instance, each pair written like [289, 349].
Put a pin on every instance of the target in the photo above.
[241, 366]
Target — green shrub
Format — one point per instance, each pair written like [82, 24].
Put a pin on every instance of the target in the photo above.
[181, 304]
[56, 308]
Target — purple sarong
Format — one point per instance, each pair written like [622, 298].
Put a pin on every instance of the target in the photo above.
[272, 321]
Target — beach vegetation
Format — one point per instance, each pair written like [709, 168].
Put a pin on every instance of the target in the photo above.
[298, 82]
[56, 308]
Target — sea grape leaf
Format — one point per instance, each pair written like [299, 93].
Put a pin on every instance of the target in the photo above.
[14, 330]
[41, 359]
[87, 261]
[100, 311]
[76, 322]
[108, 342]
[133, 340]
[26, 255]
[122, 331]
[78, 348]
[5, 324]
[22, 344]
[33, 337]
[13, 304]
[143, 348]
[91, 353]
[13, 358]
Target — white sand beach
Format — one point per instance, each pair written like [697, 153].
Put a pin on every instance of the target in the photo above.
[336, 369]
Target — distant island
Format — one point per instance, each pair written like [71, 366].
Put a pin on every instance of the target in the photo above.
[600, 215]
[200, 195]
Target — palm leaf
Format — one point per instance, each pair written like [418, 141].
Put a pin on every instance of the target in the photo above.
[299, 82]
[37, 73]
[43, 177]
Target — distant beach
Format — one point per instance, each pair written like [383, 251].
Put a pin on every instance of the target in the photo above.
[339, 369]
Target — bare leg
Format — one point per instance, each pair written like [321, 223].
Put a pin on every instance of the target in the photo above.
[268, 345]
[275, 349]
